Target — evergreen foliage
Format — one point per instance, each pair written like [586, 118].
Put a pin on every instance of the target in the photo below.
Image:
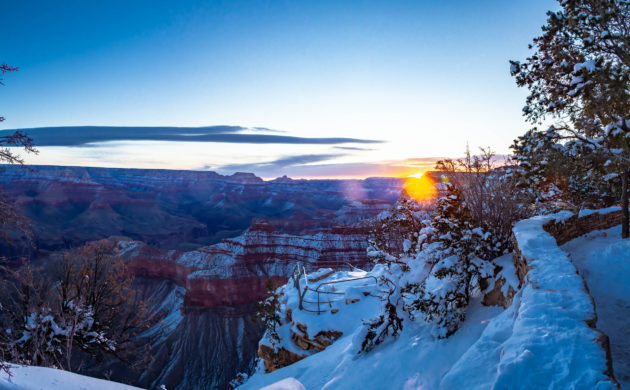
[452, 246]
[268, 311]
[558, 174]
[395, 232]
[579, 77]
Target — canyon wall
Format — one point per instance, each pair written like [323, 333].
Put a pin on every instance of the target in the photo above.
[201, 247]
[210, 324]
[182, 210]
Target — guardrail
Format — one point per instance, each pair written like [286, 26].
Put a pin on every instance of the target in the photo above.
[323, 296]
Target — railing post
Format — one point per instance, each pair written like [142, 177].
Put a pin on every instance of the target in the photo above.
[318, 311]
[296, 284]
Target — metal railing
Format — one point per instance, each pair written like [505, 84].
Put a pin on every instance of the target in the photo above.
[323, 295]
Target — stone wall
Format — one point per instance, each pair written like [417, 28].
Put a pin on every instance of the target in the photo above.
[576, 226]
[564, 230]
[538, 268]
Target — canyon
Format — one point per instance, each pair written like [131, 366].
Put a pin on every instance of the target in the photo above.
[201, 247]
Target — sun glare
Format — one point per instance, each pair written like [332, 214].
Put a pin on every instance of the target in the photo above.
[420, 187]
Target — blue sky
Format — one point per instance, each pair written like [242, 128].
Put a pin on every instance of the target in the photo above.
[425, 77]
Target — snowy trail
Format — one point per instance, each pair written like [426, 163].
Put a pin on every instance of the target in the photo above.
[603, 259]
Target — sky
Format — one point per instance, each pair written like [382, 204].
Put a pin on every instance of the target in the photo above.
[302, 88]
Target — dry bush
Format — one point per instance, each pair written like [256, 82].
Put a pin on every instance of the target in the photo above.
[491, 194]
[80, 311]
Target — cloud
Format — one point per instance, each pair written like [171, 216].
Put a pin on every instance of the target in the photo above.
[353, 148]
[83, 135]
[420, 162]
[266, 129]
[274, 166]
[302, 166]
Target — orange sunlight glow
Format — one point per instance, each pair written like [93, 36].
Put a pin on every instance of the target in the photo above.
[420, 187]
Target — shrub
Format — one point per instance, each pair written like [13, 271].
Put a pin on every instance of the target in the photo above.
[268, 311]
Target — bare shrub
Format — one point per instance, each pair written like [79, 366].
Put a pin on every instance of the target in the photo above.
[83, 310]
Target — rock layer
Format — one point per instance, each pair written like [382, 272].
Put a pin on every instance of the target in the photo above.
[180, 209]
[220, 285]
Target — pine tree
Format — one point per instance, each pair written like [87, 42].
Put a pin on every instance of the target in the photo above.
[579, 76]
[452, 221]
[268, 311]
[395, 232]
[554, 173]
[442, 298]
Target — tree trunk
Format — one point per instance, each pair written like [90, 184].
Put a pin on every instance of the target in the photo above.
[624, 205]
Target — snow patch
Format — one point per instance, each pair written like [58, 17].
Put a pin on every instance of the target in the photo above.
[38, 378]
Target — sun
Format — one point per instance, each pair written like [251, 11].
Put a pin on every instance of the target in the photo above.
[420, 187]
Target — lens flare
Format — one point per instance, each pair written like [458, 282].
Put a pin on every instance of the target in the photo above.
[421, 188]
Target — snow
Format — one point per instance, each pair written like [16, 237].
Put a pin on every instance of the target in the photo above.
[607, 210]
[542, 340]
[285, 384]
[42, 378]
[603, 259]
[170, 308]
[354, 313]
[589, 65]
[416, 360]
[551, 316]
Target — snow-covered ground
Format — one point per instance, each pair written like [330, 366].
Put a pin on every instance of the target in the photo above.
[603, 259]
[41, 378]
[416, 360]
[413, 360]
[543, 340]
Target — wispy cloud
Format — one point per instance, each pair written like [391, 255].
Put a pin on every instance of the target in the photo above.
[83, 135]
[353, 148]
[266, 129]
[305, 166]
[274, 166]
[420, 162]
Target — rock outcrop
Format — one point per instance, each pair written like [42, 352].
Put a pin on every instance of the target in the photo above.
[234, 272]
[219, 286]
[496, 296]
[275, 357]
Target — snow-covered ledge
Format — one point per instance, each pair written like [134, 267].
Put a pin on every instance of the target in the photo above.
[564, 227]
[555, 299]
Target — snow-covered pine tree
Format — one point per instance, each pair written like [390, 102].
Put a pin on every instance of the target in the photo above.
[393, 241]
[557, 175]
[395, 232]
[452, 221]
[579, 77]
[268, 311]
[442, 298]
